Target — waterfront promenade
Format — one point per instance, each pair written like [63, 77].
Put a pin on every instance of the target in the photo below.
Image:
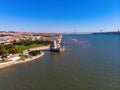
[12, 63]
[30, 58]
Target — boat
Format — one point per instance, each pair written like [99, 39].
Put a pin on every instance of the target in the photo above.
[75, 40]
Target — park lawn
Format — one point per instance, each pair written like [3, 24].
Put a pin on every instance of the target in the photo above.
[3, 61]
[22, 47]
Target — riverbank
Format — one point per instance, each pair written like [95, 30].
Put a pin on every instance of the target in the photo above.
[12, 63]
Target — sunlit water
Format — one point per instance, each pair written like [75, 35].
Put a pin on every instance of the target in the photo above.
[90, 62]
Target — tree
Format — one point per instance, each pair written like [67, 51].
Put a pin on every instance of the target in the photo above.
[3, 51]
[8, 46]
[14, 50]
[8, 49]
[35, 52]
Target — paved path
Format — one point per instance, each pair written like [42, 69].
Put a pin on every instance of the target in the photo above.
[11, 63]
[37, 48]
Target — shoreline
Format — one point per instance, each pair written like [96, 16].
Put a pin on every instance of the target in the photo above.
[12, 63]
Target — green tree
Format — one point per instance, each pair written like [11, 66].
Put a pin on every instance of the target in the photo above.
[3, 51]
[35, 52]
[8, 46]
[14, 50]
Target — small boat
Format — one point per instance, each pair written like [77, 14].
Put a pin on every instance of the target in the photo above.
[75, 39]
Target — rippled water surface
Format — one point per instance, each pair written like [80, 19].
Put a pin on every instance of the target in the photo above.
[90, 62]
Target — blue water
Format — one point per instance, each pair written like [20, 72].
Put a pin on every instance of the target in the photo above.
[90, 62]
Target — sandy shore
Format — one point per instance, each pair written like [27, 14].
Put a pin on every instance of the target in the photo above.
[11, 63]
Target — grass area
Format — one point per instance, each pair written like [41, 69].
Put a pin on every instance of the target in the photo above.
[22, 47]
[5, 61]
[21, 58]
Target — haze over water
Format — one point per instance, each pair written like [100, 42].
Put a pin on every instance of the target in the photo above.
[90, 62]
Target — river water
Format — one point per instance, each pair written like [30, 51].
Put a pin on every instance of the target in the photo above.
[90, 62]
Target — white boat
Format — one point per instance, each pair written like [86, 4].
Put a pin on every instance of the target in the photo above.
[76, 40]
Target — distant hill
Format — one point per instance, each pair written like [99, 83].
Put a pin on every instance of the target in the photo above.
[107, 33]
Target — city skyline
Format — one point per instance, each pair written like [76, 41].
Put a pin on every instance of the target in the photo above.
[59, 15]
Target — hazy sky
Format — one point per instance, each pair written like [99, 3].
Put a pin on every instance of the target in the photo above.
[60, 15]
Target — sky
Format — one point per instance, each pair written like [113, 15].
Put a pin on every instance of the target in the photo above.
[59, 15]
